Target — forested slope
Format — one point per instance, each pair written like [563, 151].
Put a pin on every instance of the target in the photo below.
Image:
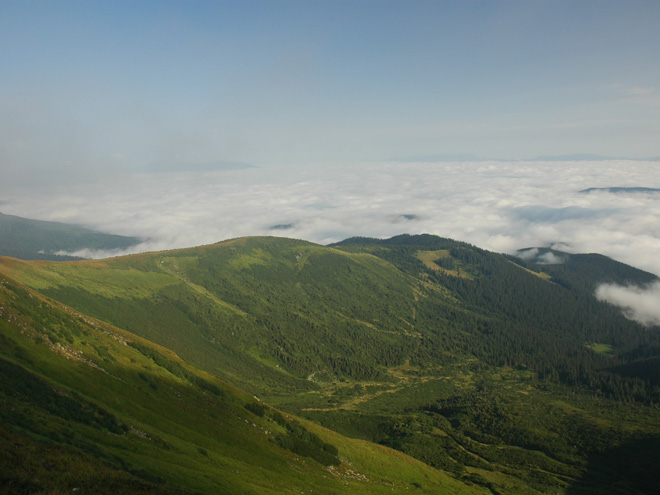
[505, 373]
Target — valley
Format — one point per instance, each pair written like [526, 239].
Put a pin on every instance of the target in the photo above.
[494, 374]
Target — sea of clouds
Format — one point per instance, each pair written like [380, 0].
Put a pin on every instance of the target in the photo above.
[496, 205]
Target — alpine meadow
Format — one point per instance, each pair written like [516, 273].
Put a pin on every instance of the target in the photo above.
[264, 364]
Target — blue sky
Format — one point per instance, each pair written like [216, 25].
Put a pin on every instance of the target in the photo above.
[88, 87]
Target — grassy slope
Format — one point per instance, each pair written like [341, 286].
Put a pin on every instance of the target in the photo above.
[221, 298]
[346, 339]
[83, 408]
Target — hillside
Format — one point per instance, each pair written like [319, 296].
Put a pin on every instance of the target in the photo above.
[499, 371]
[29, 239]
[89, 408]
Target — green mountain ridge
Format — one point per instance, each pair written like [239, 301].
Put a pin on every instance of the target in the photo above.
[30, 239]
[506, 374]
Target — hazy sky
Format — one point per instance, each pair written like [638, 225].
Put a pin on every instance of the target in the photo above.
[89, 87]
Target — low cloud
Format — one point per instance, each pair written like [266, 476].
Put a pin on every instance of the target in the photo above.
[547, 258]
[496, 205]
[641, 304]
[550, 258]
[104, 253]
[528, 254]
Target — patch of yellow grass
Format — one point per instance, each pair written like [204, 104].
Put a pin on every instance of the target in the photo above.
[541, 275]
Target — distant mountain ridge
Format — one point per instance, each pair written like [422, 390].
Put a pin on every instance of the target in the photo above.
[30, 239]
[216, 166]
[471, 157]
[622, 190]
[588, 157]
[442, 157]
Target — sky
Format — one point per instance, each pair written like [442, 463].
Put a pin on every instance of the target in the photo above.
[91, 87]
[350, 117]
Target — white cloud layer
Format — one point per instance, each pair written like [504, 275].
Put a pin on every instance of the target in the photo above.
[550, 258]
[639, 304]
[501, 206]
